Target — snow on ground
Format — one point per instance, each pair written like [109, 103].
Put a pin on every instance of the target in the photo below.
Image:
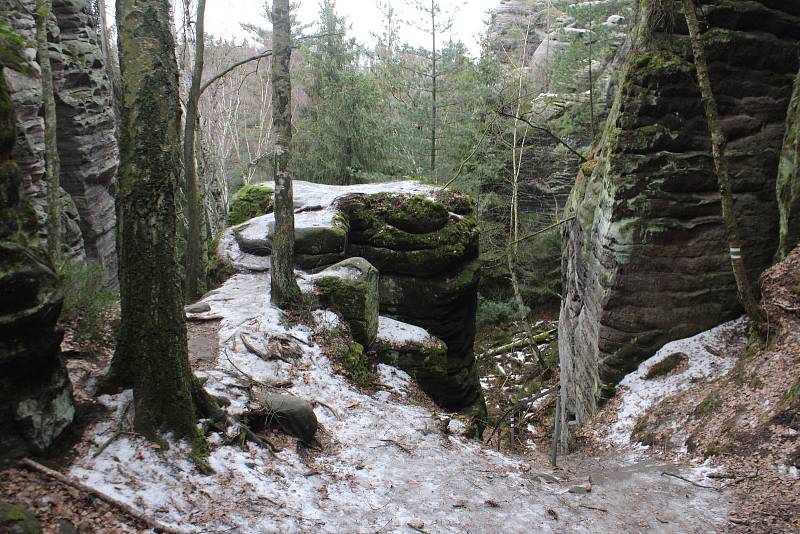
[638, 394]
[385, 464]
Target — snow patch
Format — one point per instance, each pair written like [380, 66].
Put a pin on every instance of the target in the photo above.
[639, 394]
[397, 333]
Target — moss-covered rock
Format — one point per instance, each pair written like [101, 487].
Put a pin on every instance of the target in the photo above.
[415, 351]
[375, 235]
[250, 201]
[355, 363]
[351, 288]
[788, 183]
[15, 519]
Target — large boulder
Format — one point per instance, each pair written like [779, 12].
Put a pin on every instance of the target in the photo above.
[408, 234]
[15, 519]
[351, 288]
[36, 403]
[646, 259]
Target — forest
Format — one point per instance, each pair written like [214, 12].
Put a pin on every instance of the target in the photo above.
[386, 266]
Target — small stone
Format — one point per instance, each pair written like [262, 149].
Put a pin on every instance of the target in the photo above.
[198, 307]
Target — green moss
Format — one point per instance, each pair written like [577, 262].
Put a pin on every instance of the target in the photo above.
[794, 392]
[666, 366]
[11, 48]
[588, 166]
[250, 201]
[355, 364]
[657, 63]
[14, 518]
[713, 449]
[455, 201]
[708, 405]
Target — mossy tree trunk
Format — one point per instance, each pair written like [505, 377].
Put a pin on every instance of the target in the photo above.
[285, 292]
[195, 273]
[746, 294]
[54, 225]
[152, 354]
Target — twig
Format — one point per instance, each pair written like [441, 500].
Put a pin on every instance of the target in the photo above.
[320, 403]
[409, 525]
[543, 230]
[692, 482]
[588, 507]
[519, 405]
[397, 444]
[140, 516]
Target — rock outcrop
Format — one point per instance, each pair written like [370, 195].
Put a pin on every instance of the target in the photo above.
[788, 184]
[424, 246]
[646, 259]
[36, 402]
[85, 124]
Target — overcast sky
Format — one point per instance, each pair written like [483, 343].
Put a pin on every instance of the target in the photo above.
[223, 18]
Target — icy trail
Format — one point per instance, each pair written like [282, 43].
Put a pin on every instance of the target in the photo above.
[385, 466]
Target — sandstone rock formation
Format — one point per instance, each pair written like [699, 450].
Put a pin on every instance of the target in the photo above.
[424, 246]
[646, 260]
[788, 183]
[35, 394]
[85, 125]
[351, 288]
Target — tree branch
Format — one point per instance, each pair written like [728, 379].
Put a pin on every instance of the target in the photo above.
[545, 130]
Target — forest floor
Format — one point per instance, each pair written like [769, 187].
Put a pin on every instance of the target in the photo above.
[387, 459]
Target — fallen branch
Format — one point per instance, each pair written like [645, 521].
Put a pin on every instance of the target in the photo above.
[538, 338]
[199, 318]
[64, 479]
[413, 527]
[260, 353]
[692, 482]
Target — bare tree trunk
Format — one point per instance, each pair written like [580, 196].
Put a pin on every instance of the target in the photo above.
[152, 354]
[433, 98]
[54, 225]
[746, 295]
[285, 292]
[195, 275]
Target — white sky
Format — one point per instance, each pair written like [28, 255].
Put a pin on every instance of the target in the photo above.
[223, 18]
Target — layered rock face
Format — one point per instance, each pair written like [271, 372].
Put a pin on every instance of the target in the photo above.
[427, 254]
[788, 184]
[85, 125]
[35, 394]
[646, 259]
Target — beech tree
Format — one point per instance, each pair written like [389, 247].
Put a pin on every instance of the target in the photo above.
[285, 291]
[152, 354]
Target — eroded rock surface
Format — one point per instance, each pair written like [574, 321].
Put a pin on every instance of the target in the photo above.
[35, 394]
[85, 125]
[788, 184]
[646, 259]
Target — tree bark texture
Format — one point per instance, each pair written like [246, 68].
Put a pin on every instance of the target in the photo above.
[195, 275]
[285, 292]
[54, 224]
[152, 353]
[746, 294]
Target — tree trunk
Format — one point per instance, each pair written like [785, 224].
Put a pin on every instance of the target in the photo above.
[433, 97]
[195, 275]
[152, 354]
[746, 295]
[285, 292]
[54, 225]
